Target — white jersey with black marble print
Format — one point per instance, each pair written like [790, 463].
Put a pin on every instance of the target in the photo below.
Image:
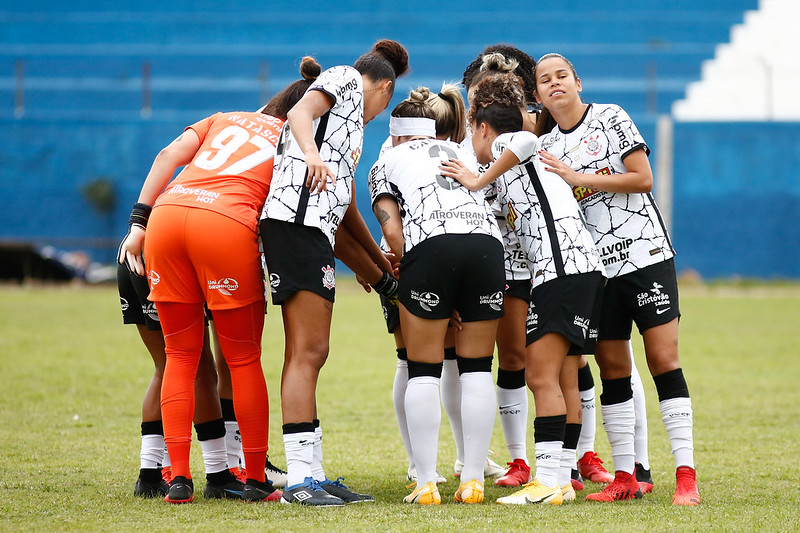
[546, 218]
[515, 260]
[627, 228]
[339, 134]
[430, 204]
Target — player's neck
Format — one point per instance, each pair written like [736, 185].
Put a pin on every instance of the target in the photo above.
[569, 117]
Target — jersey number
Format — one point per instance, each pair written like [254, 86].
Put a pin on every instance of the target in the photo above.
[226, 143]
[440, 153]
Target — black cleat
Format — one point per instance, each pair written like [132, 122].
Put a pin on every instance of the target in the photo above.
[276, 476]
[310, 492]
[181, 490]
[338, 489]
[223, 486]
[260, 491]
[644, 478]
[151, 488]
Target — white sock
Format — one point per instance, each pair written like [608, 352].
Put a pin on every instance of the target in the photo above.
[299, 449]
[477, 415]
[166, 462]
[640, 410]
[678, 419]
[548, 462]
[424, 418]
[619, 421]
[588, 422]
[568, 462]
[233, 444]
[451, 400]
[316, 464]
[399, 398]
[215, 456]
[152, 453]
[513, 406]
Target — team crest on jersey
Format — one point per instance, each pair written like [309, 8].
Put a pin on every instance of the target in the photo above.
[274, 282]
[225, 286]
[593, 145]
[355, 155]
[154, 278]
[512, 216]
[328, 277]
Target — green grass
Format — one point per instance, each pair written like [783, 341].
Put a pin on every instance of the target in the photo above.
[73, 377]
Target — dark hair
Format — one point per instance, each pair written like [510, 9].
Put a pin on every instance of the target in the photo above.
[388, 60]
[498, 101]
[524, 68]
[545, 122]
[416, 105]
[280, 104]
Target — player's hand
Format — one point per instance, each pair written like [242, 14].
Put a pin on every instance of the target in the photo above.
[318, 174]
[556, 166]
[455, 321]
[130, 250]
[363, 283]
[453, 168]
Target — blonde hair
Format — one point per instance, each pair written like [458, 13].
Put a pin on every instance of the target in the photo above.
[448, 106]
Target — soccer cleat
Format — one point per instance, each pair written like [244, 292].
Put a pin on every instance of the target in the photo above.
[150, 489]
[239, 473]
[166, 474]
[577, 480]
[411, 475]
[230, 488]
[568, 493]
[534, 492]
[260, 491]
[591, 468]
[428, 494]
[309, 492]
[686, 492]
[644, 478]
[469, 492]
[490, 468]
[518, 474]
[624, 487]
[275, 475]
[338, 489]
[181, 490]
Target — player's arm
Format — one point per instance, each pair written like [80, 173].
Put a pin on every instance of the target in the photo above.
[638, 177]
[388, 214]
[177, 154]
[473, 181]
[301, 119]
[357, 227]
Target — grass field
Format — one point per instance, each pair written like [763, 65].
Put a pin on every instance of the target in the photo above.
[72, 380]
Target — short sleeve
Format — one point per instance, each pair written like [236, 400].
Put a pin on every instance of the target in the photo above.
[337, 82]
[523, 144]
[378, 181]
[623, 134]
[201, 127]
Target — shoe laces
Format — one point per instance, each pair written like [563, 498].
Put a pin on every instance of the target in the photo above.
[594, 459]
[312, 484]
[514, 465]
[337, 483]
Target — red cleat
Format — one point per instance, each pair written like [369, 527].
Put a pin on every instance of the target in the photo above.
[624, 487]
[577, 480]
[591, 468]
[518, 474]
[686, 492]
[645, 478]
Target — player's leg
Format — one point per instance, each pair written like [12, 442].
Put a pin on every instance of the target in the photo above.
[568, 380]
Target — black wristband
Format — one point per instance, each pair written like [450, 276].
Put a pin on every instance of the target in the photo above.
[140, 215]
[386, 286]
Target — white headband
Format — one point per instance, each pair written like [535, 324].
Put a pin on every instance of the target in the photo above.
[408, 126]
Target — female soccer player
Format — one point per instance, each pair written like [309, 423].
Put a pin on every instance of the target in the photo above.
[201, 247]
[565, 267]
[311, 196]
[597, 149]
[450, 259]
[512, 393]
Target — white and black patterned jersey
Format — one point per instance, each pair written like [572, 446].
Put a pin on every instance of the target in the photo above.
[430, 204]
[627, 228]
[339, 134]
[541, 209]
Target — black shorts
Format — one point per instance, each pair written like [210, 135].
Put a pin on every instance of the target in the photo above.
[519, 289]
[567, 306]
[133, 293]
[448, 272]
[391, 314]
[648, 296]
[298, 258]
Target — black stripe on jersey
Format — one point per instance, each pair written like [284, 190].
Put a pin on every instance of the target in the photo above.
[305, 192]
[548, 218]
[661, 221]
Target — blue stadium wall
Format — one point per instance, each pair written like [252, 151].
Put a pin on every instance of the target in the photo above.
[736, 185]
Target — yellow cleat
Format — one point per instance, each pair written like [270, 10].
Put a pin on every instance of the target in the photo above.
[428, 494]
[469, 492]
[534, 492]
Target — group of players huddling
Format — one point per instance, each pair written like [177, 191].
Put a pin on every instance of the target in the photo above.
[524, 223]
